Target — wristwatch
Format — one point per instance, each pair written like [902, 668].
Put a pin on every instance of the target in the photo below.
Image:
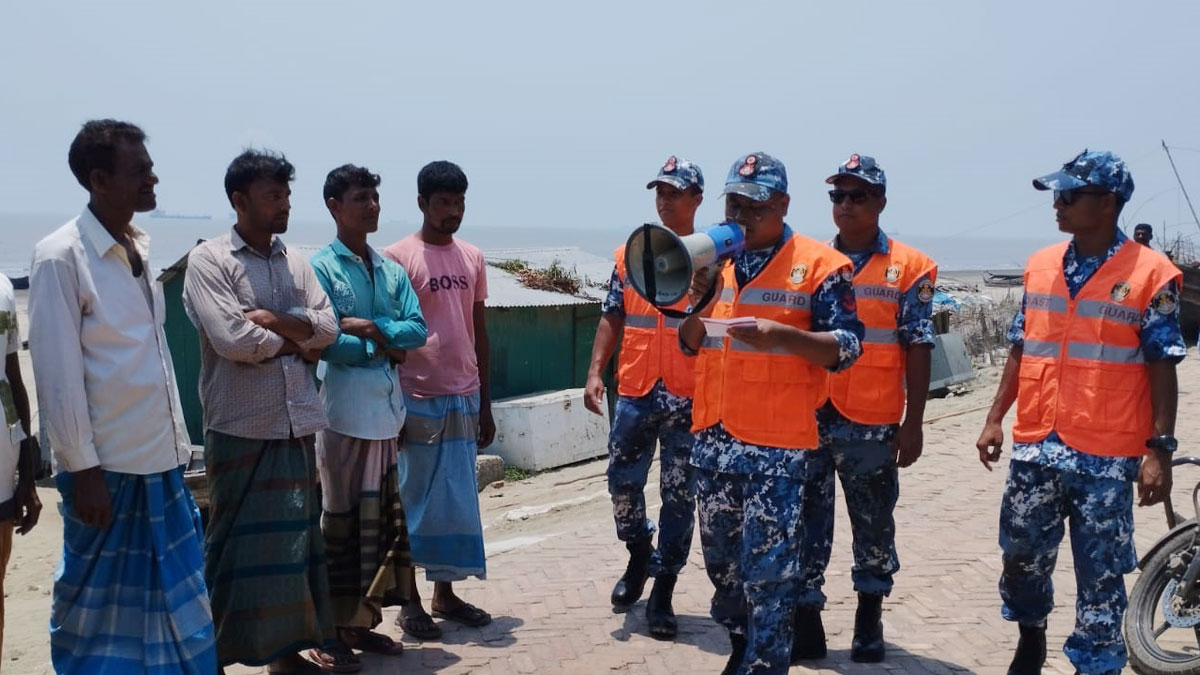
[1164, 442]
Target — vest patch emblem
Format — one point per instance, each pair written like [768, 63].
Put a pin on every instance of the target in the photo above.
[925, 290]
[798, 273]
[1120, 291]
[1165, 302]
[892, 274]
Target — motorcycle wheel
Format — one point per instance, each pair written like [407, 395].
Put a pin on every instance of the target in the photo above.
[1144, 618]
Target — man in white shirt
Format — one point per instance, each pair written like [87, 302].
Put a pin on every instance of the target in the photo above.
[106, 392]
[19, 504]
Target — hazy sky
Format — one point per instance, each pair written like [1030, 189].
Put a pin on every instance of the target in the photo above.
[561, 111]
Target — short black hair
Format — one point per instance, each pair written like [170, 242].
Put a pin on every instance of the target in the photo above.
[347, 176]
[95, 147]
[441, 176]
[1143, 226]
[254, 164]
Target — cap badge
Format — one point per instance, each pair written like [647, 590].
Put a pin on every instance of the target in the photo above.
[1120, 291]
[854, 162]
[748, 167]
[671, 165]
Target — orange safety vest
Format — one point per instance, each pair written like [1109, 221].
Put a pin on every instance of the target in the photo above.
[767, 398]
[1082, 372]
[872, 390]
[650, 346]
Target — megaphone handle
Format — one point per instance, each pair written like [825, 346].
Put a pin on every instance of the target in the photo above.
[648, 264]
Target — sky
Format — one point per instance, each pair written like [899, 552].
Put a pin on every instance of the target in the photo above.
[560, 112]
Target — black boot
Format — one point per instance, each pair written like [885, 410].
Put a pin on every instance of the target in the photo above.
[659, 613]
[629, 588]
[867, 645]
[737, 652]
[808, 634]
[1031, 651]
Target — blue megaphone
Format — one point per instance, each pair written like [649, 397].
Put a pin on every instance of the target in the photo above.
[660, 263]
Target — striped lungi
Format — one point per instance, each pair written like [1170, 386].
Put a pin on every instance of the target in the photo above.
[131, 598]
[366, 539]
[264, 553]
[437, 486]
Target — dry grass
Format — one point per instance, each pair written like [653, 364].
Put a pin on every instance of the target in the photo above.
[554, 278]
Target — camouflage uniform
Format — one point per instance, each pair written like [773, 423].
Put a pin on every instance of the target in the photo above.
[638, 422]
[862, 456]
[1049, 482]
[749, 497]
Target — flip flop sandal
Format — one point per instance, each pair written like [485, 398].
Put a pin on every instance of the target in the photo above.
[370, 641]
[467, 614]
[421, 626]
[336, 659]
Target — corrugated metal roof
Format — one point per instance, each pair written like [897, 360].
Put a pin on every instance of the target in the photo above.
[505, 289]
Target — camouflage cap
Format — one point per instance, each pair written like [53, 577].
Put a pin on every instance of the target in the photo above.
[679, 173]
[1102, 169]
[861, 166]
[757, 176]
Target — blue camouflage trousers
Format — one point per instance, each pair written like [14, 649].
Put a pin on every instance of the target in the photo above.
[871, 485]
[1037, 499]
[637, 424]
[749, 526]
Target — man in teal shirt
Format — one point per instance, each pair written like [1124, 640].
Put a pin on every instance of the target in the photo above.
[366, 538]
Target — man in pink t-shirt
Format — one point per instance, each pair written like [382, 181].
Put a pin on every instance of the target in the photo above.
[445, 387]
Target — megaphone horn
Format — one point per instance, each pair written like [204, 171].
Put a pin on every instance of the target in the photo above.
[660, 263]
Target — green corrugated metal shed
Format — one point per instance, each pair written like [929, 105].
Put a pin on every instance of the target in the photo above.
[540, 341]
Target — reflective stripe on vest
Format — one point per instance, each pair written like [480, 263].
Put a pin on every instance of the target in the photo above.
[1082, 370]
[766, 397]
[650, 346]
[872, 390]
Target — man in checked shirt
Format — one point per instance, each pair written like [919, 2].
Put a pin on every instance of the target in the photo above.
[263, 318]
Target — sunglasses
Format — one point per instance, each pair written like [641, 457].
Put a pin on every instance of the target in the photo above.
[1068, 197]
[856, 196]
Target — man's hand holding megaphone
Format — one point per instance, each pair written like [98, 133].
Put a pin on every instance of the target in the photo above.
[704, 279]
[706, 286]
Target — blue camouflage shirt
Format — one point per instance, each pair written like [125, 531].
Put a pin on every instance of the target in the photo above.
[1161, 340]
[833, 311]
[915, 327]
[614, 302]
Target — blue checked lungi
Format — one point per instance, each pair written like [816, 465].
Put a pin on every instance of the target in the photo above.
[436, 471]
[131, 598]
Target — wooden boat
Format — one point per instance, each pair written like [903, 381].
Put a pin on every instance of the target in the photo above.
[1003, 278]
[19, 283]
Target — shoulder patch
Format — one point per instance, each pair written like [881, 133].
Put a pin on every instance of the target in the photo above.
[1165, 302]
[925, 290]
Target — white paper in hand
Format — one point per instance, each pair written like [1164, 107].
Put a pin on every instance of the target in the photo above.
[720, 327]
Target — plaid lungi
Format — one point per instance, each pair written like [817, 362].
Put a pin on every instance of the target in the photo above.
[264, 553]
[366, 539]
[131, 598]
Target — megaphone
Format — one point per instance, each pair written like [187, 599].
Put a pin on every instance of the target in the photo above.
[660, 263]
